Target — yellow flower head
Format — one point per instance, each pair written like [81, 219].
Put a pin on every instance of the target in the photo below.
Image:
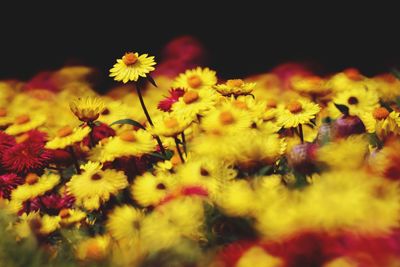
[235, 87]
[358, 100]
[94, 249]
[169, 124]
[24, 123]
[128, 143]
[382, 122]
[124, 223]
[95, 186]
[196, 79]
[238, 198]
[71, 216]
[67, 136]
[132, 66]
[297, 112]
[148, 189]
[87, 109]
[310, 85]
[256, 256]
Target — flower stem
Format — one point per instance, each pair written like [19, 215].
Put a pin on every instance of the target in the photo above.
[75, 159]
[146, 113]
[301, 133]
[91, 137]
[179, 150]
[184, 142]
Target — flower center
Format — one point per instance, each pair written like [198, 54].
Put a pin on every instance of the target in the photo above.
[235, 83]
[136, 225]
[96, 177]
[22, 138]
[194, 81]
[32, 178]
[240, 104]
[64, 213]
[3, 112]
[294, 107]
[190, 97]
[130, 58]
[352, 100]
[161, 186]
[226, 117]
[171, 123]
[128, 136]
[64, 131]
[22, 119]
[271, 103]
[380, 113]
[204, 172]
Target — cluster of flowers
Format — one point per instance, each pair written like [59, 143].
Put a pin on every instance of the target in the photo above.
[280, 169]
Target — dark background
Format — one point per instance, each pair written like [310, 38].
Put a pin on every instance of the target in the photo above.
[241, 39]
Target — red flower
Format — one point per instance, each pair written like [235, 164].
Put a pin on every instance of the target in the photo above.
[166, 104]
[50, 203]
[33, 136]
[25, 157]
[8, 182]
[6, 141]
[99, 132]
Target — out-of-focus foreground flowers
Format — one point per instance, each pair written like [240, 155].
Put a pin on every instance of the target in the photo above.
[281, 169]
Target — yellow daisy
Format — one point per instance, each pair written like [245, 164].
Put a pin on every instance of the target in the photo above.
[94, 249]
[194, 103]
[129, 143]
[387, 86]
[296, 113]
[5, 119]
[235, 87]
[169, 124]
[196, 79]
[148, 189]
[71, 216]
[24, 123]
[87, 109]
[311, 85]
[257, 256]
[226, 119]
[124, 223]
[131, 67]
[382, 122]
[358, 100]
[49, 224]
[95, 186]
[238, 198]
[67, 136]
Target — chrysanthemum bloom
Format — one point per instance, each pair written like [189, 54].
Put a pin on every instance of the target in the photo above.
[71, 216]
[148, 189]
[24, 123]
[87, 109]
[5, 119]
[124, 223]
[9, 182]
[6, 141]
[98, 133]
[174, 95]
[94, 249]
[67, 136]
[235, 87]
[358, 101]
[194, 103]
[51, 203]
[382, 122]
[131, 67]
[312, 85]
[196, 79]
[25, 157]
[169, 124]
[128, 143]
[297, 113]
[33, 136]
[95, 186]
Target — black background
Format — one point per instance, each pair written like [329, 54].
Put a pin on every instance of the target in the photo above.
[241, 38]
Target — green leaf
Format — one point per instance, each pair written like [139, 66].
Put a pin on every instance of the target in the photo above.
[264, 170]
[342, 108]
[374, 140]
[130, 122]
[151, 80]
[396, 73]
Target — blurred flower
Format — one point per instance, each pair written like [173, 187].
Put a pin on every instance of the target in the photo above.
[196, 79]
[124, 223]
[9, 182]
[67, 136]
[235, 87]
[297, 112]
[131, 67]
[166, 103]
[87, 109]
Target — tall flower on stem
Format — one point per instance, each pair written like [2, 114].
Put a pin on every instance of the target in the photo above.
[130, 68]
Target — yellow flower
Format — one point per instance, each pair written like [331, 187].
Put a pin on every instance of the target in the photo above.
[129, 143]
[381, 122]
[169, 124]
[131, 67]
[24, 123]
[357, 100]
[387, 86]
[94, 249]
[71, 216]
[297, 112]
[226, 119]
[124, 223]
[238, 198]
[67, 136]
[235, 87]
[194, 103]
[5, 118]
[310, 85]
[49, 224]
[87, 109]
[148, 189]
[256, 256]
[196, 79]
[95, 186]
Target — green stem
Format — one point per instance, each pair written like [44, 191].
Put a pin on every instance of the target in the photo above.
[301, 133]
[179, 150]
[75, 159]
[184, 142]
[91, 137]
[146, 113]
